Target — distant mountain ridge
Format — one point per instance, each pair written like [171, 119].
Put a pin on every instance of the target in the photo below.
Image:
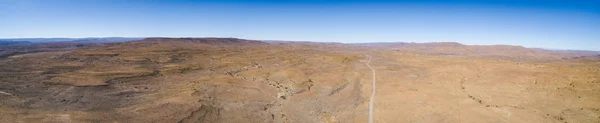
[498, 51]
[202, 40]
[456, 44]
[6, 43]
[17, 41]
[91, 39]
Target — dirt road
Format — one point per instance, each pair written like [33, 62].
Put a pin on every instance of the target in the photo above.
[373, 91]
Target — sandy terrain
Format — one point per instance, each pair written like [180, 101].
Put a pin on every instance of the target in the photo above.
[234, 80]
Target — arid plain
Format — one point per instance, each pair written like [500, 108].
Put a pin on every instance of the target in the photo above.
[236, 80]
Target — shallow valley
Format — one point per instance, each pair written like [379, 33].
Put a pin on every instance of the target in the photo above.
[236, 80]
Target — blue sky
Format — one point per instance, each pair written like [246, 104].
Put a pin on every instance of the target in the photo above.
[557, 24]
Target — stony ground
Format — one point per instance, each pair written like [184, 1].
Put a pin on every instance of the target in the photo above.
[234, 80]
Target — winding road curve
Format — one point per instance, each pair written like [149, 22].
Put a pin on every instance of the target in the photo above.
[373, 91]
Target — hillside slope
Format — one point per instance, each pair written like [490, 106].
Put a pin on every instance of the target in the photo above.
[237, 80]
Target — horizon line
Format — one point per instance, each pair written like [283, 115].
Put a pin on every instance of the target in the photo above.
[366, 42]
